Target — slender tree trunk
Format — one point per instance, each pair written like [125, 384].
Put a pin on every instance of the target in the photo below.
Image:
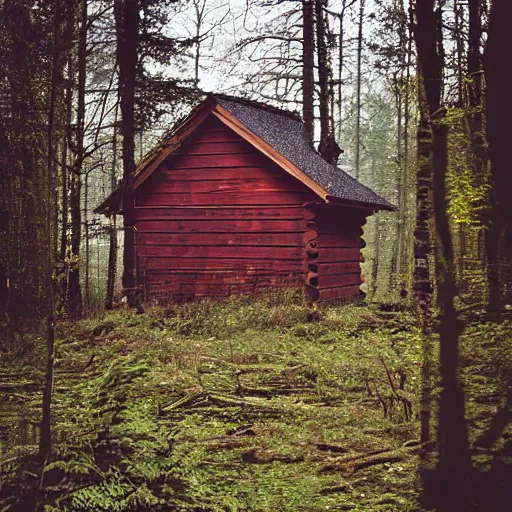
[87, 280]
[112, 253]
[308, 84]
[327, 147]
[459, 33]
[75, 293]
[127, 26]
[358, 87]
[476, 116]
[198, 22]
[74, 302]
[398, 259]
[68, 102]
[402, 105]
[49, 212]
[404, 208]
[341, 58]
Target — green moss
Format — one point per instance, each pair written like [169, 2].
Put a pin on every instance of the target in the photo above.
[223, 406]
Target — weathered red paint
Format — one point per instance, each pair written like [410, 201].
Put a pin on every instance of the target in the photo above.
[218, 217]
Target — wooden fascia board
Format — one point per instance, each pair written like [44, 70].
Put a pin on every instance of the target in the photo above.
[170, 146]
[232, 122]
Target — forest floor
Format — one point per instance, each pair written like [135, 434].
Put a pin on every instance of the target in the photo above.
[240, 406]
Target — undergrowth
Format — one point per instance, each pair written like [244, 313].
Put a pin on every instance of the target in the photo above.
[244, 405]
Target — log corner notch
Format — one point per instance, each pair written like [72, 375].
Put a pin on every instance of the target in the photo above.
[311, 251]
[333, 239]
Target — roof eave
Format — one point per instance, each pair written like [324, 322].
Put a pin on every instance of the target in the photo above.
[334, 200]
[112, 205]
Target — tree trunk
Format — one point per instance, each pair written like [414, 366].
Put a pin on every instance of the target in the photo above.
[422, 280]
[327, 147]
[112, 253]
[358, 87]
[75, 293]
[453, 457]
[308, 112]
[423, 287]
[402, 105]
[499, 112]
[459, 42]
[87, 279]
[127, 27]
[397, 259]
[74, 302]
[475, 120]
[341, 58]
[68, 105]
[199, 9]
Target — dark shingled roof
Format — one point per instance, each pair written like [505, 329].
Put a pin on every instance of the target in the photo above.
[285, 133]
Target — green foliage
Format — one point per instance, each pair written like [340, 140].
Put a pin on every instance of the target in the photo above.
[235, 406]
[466, 198]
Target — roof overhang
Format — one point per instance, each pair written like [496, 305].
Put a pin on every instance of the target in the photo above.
[172, 142]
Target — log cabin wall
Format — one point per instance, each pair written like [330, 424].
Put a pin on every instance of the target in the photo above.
[333, 247]
[219, 218]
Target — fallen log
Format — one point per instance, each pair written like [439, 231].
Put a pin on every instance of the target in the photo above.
[365, 460]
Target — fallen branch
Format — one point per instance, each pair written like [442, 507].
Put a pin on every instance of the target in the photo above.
[365, 460]
[185, 401]
[335, 448]
[252, 456]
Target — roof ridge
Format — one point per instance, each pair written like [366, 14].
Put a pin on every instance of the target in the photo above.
[256, 104]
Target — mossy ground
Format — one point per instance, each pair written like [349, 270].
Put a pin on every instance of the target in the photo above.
[240, 406]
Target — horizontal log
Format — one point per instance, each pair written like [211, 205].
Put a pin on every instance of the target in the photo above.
[205, 161]
[265, 212]
[220, 173]
[221, 134]
[225, 198]
[165, 296]
[220, 239]
[220, 252]
[234, 263]
[338, 240]
[340, 267]
[218, 226]
[332, 210]
[267, 186]
[334, 255]
[211, 290]
[339, 292]
[220, 278]
[343, 224]
[201, 147]
[337, 280]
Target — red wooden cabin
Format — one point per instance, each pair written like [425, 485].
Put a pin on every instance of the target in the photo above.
[234, 199]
